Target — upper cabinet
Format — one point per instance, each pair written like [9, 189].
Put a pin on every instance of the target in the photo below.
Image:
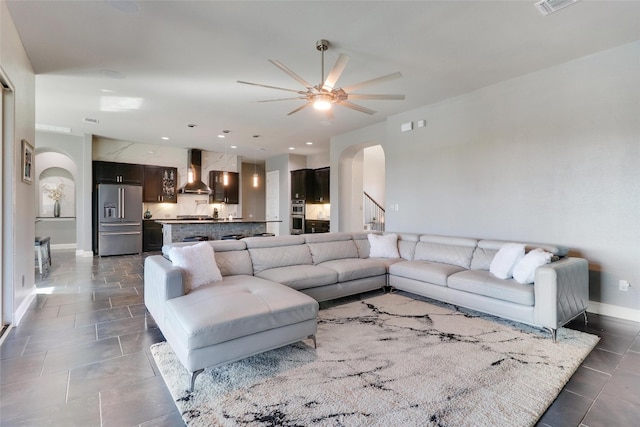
[222, 193]
[321, 190]
[302, 183]
[160, 184]
[117, 173]
[310, 185]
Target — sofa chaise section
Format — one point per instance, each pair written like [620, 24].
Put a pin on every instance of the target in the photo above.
[225, 321]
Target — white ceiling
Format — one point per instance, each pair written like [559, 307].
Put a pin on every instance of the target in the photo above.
[182, 60]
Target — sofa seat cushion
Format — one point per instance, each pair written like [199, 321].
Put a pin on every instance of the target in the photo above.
[355, 268]
[431, 272]
[236, 307]
[300, 277]
[482, 282]
[387, 262]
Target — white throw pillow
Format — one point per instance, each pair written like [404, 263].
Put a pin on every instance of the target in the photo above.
[198, 263]
[506, 258]
[525, 270]
[383, 246]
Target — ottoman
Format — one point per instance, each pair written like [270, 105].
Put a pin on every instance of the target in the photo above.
[236, 318]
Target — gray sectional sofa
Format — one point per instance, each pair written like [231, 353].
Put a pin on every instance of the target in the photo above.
[270, 288]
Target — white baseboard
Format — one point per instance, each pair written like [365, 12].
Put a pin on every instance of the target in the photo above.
[64, 246]
[22, 309]
[81, 253]
[614, 311]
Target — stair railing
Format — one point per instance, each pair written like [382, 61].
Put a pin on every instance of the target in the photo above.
[373, 214]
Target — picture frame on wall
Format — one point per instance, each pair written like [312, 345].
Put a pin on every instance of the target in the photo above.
[27, 162]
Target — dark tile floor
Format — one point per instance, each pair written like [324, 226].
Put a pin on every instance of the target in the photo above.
[81, 357]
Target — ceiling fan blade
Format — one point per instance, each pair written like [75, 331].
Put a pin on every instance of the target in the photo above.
[272, 87]
[386, 97]
[336, 71]
[356, 107]
[299, 108]
[377, 80]
[287, 70]
[282, 99]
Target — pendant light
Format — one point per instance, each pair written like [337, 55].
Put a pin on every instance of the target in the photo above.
[225, 174]
[255, 167]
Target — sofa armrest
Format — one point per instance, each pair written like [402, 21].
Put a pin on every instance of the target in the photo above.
[162, 282]
[561, 291]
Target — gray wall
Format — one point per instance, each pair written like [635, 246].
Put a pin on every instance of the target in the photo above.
[551, 156]
[253, 198]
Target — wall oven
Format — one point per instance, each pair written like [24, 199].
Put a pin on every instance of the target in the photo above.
[297, 224]
[297, 207]
[297, 216]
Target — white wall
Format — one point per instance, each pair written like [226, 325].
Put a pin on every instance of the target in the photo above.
[18, 202]
[552, 157]
[374, 172]
[68, 152]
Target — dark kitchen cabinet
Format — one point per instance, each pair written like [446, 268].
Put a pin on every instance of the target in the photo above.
[117, 173]
[302, 183]
[229, 193]
[160, 184]
[312, 226]
[321, 188]
[151, 236]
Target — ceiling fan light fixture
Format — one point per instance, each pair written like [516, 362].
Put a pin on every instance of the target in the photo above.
[322, 101]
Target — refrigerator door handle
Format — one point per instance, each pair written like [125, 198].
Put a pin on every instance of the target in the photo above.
[119, 224]
[118, 233]
[121, 190]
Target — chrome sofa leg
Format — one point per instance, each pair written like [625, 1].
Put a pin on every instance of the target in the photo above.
[586, 321]
[313, 338]
[553, 333]
[193, 379]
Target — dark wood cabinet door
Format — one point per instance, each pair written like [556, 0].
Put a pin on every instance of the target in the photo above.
[229, 193]
[321, 190]
[151, 236]
[302, 183]
[160, 184]
[152, 183]
[118, 173]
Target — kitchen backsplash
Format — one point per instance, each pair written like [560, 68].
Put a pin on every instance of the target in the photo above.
[317, 211]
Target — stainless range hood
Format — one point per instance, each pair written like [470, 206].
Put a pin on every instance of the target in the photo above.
[194, 183]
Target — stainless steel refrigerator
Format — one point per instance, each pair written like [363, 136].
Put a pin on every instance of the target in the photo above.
[119, 219]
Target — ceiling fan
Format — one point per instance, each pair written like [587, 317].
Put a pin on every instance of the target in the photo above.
[325, 94]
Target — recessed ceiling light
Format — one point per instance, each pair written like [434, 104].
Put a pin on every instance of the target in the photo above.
[291, 148]
[191, 125]
[166, 138]
[233, 146]
[309, 143]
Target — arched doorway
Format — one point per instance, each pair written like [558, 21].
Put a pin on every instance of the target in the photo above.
[361, 170]
[56, 179]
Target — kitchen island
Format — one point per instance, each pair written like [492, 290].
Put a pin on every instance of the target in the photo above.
[177, 230]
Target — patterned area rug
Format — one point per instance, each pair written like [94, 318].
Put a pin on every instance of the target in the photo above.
[388, 360]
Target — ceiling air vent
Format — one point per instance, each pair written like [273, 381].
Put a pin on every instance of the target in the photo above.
[91, 120]
[549, 6]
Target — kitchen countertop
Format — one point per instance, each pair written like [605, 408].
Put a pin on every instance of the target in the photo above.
[211, 221]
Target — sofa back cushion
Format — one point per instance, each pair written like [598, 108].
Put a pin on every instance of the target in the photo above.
[362, 243]
[487, 250]
[448, 250]
[279, 251]
[329, 246]
[406, 244]
[231, 256]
